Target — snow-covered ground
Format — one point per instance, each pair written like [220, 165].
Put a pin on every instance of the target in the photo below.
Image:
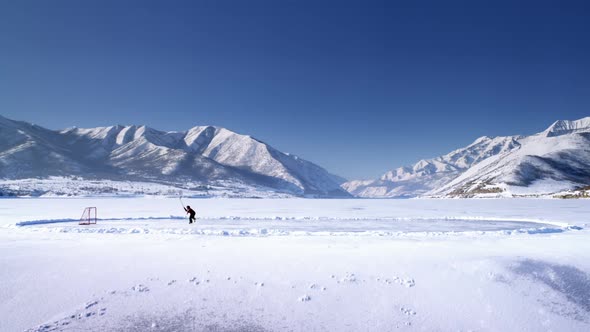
[295, 265]
[56, 186]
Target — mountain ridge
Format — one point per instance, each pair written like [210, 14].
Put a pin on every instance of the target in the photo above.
[204, 154]
[553, 160]
[558, 156]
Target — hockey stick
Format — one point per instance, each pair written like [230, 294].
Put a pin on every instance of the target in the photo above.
[181, 203]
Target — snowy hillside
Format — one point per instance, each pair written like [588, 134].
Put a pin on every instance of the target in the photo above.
[429, 174]
[554, 160]
[200, 156]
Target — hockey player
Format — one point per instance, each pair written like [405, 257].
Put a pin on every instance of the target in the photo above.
[192, 213]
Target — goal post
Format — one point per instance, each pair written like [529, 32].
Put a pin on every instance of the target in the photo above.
[88, 216]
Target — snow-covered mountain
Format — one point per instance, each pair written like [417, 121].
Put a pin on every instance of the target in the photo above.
[554, 160]
[428, 174]
[203, 155]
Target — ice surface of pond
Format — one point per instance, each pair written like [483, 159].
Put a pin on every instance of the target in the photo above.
[293, 226]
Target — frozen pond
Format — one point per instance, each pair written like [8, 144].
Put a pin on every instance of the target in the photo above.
[237, 226]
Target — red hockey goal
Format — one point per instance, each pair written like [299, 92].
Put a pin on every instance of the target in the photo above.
[89, 216]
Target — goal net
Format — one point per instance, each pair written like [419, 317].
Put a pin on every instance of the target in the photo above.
[88, 217]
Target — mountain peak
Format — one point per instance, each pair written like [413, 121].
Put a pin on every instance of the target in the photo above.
[482, 139]
[561, 127]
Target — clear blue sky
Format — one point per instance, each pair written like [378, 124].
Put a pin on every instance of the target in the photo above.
[357, 87]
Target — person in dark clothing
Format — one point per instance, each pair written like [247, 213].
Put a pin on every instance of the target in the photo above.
[192, 212]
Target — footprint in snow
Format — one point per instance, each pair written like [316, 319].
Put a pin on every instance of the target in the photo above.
[194, 281]
[407, 312]
[304, 298]
[409, 283]
[316, 286]
[140, 288]
[405, 282]
[349, 278]
[90, 304]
